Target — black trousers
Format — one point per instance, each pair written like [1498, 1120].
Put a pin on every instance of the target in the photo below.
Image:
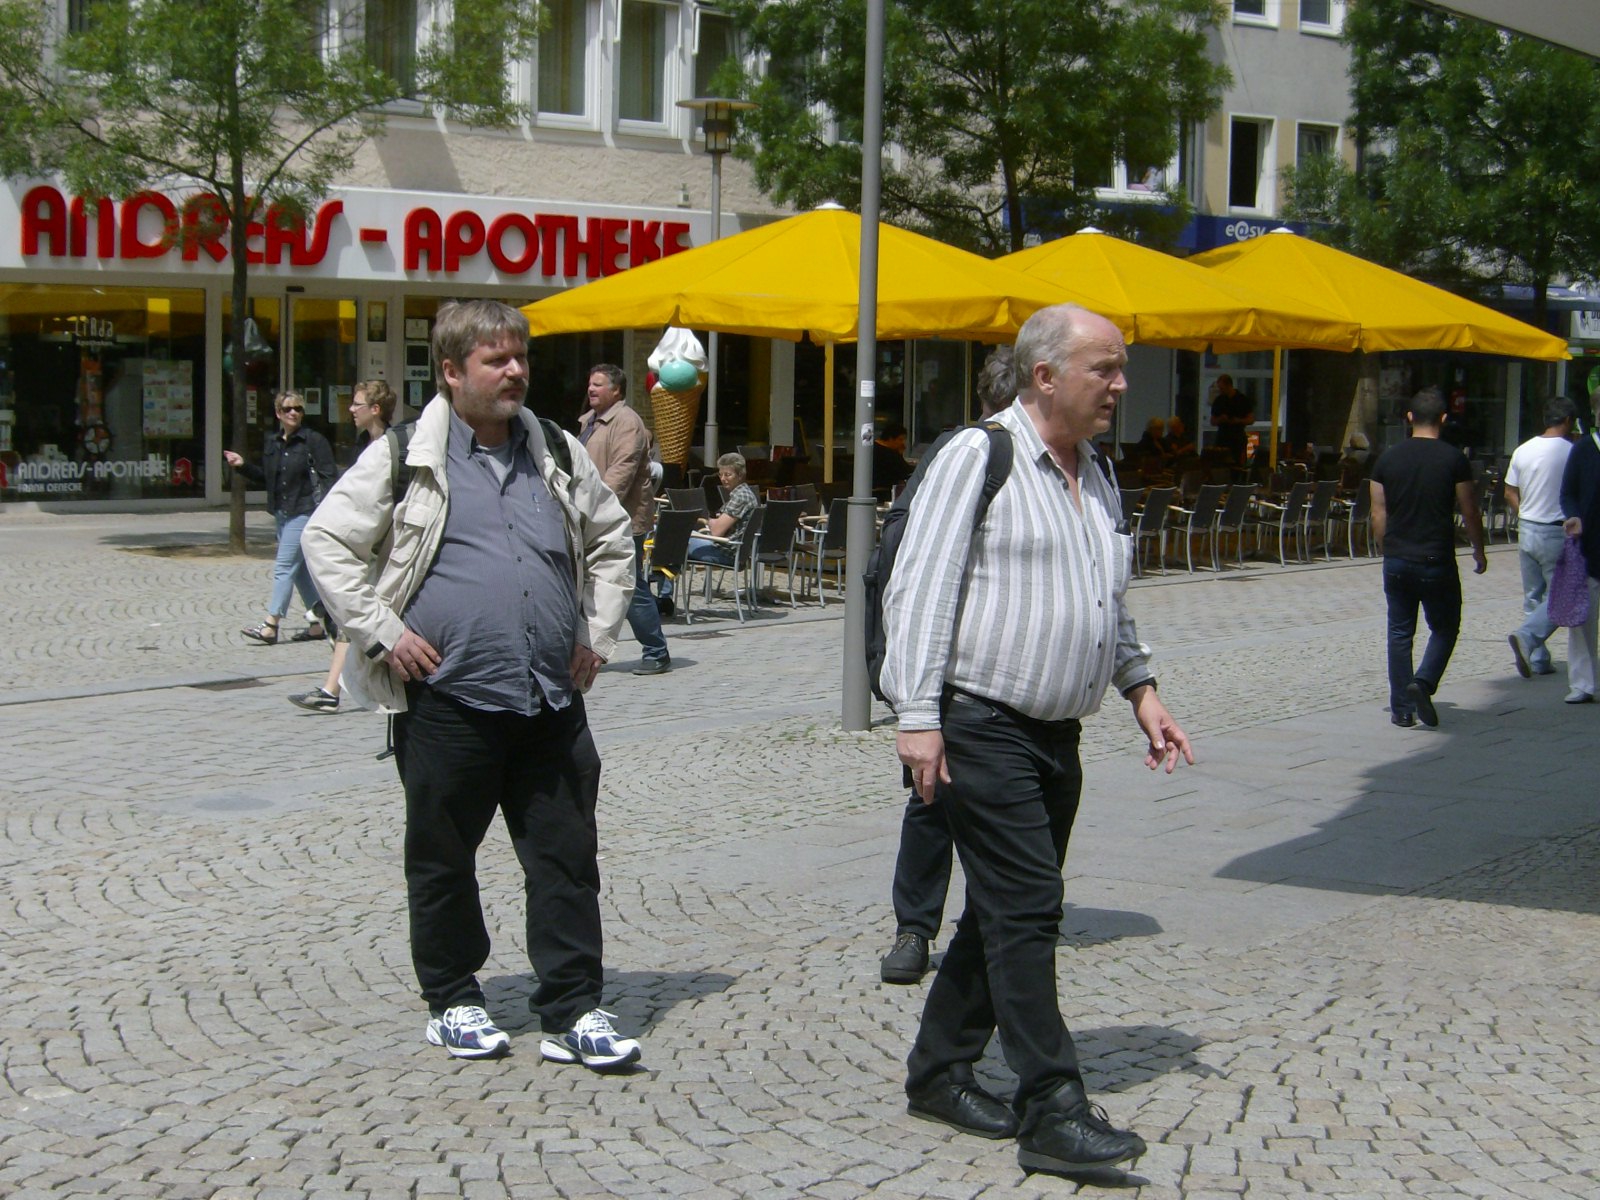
[1011, 801]
[921, 869]
[459, 766]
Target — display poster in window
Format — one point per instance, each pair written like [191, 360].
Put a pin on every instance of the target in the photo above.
[339, 397]
[313, 401]
[168, 399]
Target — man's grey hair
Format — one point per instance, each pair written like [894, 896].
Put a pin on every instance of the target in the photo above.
[1049, 336]
[464, 325]
[997, 381]
[733, 461]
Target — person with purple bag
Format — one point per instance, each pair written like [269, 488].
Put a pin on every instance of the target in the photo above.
[1580, 504]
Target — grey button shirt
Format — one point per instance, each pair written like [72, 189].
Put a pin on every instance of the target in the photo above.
[499, 603]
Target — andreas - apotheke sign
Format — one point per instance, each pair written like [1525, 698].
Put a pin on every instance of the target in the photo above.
[355, 234]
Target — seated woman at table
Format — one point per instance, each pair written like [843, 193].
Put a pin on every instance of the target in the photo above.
[1177, 443]
[735, 514]
[1151, 444]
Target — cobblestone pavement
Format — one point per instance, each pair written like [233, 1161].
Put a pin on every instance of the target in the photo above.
[1333, 959]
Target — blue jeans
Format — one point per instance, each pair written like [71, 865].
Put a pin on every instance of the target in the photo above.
[1433, 584]
[1538, 548]
[289, 572]
[643, 616]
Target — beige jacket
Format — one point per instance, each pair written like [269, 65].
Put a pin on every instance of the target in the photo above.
[620, 447]
[369, 556]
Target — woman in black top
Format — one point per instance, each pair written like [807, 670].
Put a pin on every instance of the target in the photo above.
[296, 469]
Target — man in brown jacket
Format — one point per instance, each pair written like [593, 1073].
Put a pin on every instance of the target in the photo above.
[619, 444]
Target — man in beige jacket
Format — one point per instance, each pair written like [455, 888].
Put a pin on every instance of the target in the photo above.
[481, 578]
[619, 443]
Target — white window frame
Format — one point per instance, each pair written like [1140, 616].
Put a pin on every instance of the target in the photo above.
[1270, 15]
[589, 119]
[701, 11]
[1122, 188]
[672, 74]
[1332, 27]
[1266, 171]
[1338, 137]
[421, 36]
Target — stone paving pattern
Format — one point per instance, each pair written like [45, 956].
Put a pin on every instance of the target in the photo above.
[1333, 959]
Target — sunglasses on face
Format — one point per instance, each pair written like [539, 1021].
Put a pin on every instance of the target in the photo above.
[291, 409]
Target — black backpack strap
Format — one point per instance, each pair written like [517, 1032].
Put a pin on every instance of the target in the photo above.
[1001, 452]
[400, 472]
[556, 441]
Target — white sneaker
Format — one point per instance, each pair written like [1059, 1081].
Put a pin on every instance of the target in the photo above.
[1579, 696]
[593, 1042]
[466, 1031]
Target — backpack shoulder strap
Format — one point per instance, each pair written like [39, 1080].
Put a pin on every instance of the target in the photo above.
[1001, 453]
[556, 440]
[398, 438]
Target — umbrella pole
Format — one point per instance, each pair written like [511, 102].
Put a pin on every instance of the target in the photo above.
[1277, 374]
[827, 412]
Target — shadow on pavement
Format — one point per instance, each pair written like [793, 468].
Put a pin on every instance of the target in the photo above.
[1084, 927]
[1493, 782]
[638, 998]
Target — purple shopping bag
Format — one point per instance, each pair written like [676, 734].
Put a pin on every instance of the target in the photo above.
[1569, 586]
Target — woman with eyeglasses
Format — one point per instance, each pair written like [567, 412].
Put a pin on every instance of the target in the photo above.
[372, 409]
[296, 469]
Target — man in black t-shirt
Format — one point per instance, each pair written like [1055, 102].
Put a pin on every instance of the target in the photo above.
[1232, 413]
[1416, 488]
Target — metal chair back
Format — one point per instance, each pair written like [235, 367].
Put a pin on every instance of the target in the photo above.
[687, 500]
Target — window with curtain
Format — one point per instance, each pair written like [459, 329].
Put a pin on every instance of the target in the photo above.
[563, 57]
[391, 36]
[716, 44]
[1315, 141]
[642, 63]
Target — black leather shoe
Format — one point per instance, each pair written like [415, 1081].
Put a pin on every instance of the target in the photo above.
[1078, 1139]
[1423, 700]
[907, 962]
[653, 666]
[1404, 720]
[964, 1106]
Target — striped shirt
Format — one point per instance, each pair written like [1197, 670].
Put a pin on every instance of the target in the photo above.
[1030, 612]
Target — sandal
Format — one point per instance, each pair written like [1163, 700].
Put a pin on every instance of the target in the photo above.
[264, 633]
[313, 632]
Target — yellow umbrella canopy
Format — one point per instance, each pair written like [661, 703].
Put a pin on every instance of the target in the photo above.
[1395, 311]
[1175, 303]
[798, 277]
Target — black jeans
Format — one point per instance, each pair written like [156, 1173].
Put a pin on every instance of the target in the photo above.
[459, 765]
[922, 868]
[1434, 585]
[1011, 802]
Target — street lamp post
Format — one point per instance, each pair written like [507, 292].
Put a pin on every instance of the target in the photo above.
[716, 120]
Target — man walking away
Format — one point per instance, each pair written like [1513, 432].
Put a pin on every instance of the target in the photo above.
[1533, 492]
[1416, 488]
[999, 640]
[922, 866]
[502, 577]
[619, 445]
[1580, 502]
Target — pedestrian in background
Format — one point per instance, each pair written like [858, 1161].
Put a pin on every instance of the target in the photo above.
[922, 866]
[618, 443]
[1417, 487]
[372, 409]
[297, 470]
[1533, 493]
[1580, 505]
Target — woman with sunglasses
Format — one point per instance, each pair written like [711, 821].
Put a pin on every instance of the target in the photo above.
[296, 469]
[372, 409]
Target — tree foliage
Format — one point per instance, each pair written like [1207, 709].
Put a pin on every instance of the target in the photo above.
[1481, 151]
[257, 104]
[1001, 116]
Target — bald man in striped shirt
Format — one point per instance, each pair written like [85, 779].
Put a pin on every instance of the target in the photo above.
[999, 641]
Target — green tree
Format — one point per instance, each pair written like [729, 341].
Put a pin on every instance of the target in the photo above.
[1480, 151]
[1001, 115]
[250, 107]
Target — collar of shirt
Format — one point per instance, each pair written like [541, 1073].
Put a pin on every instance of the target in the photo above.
[1030, 446]
[465, 443]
